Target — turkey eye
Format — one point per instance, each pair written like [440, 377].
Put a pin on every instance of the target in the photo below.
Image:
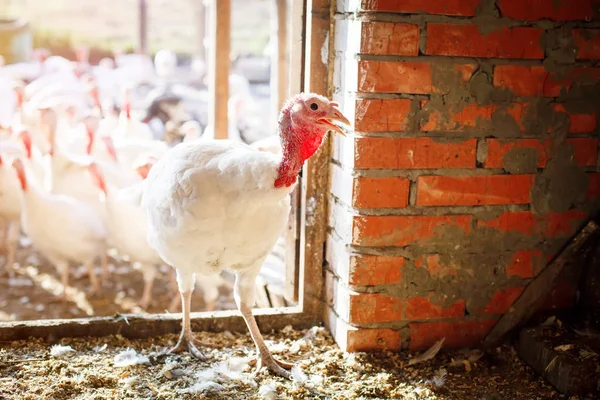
[314, 107]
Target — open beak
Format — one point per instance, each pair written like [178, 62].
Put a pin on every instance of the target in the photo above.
[335, 115]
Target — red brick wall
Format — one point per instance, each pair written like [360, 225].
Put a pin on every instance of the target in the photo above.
[474, 158]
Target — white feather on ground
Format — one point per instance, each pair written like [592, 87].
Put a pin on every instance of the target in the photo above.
[58, 351]
[130, 357]
[429, 354]
[268, 392]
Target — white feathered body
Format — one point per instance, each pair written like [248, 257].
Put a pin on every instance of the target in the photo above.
[212, 206]
[128, 230]
[61, 227]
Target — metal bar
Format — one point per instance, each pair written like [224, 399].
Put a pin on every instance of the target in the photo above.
[218, 67]
[143, 27]
[200, 28]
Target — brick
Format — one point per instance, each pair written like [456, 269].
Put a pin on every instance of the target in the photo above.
[435, 267]
[587, 42]
[474, 190]
[413, 153]
[401, 230]
[421, 308]
[373, 340]
[368, 308]
[503, 299]
[549, 225]
[368, 270]
[593, 191]
[475, 117]
[468, 41]
[461, 333]
[470, 117]
[521, 80]
[524, 264]
[556, 85]
[446, 77]
[537, 81]
[517, 221]
[582, 123]
[564, 224]
[389, 115]
[389, 38]
[457, 120]
[390, 192]
[449, 7]
[533, 10]
[394, 77]
[578, 123]
[585, 150]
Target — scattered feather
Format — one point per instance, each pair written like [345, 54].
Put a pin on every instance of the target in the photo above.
[129, 381]
[353, 363]
[550, 321]
[429, 354]
[313, 333]
[268, 392]
[58, 351]
[298, 345]
[232, 369]
[130, 357]
[287, 330]
[277, 348]
[204, 387]
[317, 380]
[551, 364]
[100, 349]
[439, 378]
[298, 375]
[564, 347]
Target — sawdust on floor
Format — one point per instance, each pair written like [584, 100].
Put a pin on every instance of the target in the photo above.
[91, 371]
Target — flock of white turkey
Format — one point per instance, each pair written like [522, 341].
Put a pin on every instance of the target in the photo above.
[72, 135]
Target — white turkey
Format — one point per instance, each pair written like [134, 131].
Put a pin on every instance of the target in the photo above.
[62, 228]
[220, 204]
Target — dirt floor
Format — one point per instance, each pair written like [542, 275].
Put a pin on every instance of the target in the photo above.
[98, 369]
[34, 291]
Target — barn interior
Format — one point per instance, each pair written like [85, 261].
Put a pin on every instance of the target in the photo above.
[444, 246]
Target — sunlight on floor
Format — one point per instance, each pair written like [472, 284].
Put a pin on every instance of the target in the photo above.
[50, 284]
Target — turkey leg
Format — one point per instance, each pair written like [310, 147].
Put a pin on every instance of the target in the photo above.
[187, 341]
[149, 273]
[244, 298]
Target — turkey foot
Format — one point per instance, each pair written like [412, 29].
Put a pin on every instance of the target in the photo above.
[187, 342]
[275, 365]
[278, 367]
